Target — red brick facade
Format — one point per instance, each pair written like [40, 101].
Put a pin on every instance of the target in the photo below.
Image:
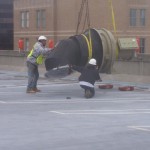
[61, 18]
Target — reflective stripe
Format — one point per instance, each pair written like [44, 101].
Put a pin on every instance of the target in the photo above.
[30, 54]
[86, 84]
[39, 59]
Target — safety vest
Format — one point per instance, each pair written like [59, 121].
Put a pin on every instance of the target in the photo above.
[39, 59]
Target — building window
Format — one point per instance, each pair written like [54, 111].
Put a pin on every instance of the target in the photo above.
[137, 16]
[26, 44]
[142, 17]
[25, 19]
[41, 19]
[133, 17]
[142, 45]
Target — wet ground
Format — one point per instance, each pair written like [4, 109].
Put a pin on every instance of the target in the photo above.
[60, 118]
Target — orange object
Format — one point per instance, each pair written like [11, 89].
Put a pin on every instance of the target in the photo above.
[21, 45]
[51, 43]
[106, 86]
[126, 88]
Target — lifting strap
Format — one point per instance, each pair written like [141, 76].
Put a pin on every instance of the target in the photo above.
[113, 22]
[89, 44]
[87, 19]
[113, 15]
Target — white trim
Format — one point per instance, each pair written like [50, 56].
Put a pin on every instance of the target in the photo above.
[86, 84]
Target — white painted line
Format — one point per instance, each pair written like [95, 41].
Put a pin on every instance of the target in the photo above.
[103, 112]
[119, 113]
[2, 102]
[142, 128]
[44, 102]
[57, 112]
[73, 100]
[40, 85]
[82, 99]
[89, 110]
[12, 86]
[32, 102]
[139, 99]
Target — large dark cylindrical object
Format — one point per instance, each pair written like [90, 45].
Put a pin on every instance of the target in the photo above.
[78, 49]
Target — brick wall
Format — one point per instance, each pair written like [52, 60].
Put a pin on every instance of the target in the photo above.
[62, 16]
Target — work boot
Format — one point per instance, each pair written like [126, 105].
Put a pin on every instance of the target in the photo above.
[36, 90]
[88, 94]
[30, 91]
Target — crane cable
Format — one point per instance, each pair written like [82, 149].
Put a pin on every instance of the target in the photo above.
[88, 39]
[80, 15]
[84, 5]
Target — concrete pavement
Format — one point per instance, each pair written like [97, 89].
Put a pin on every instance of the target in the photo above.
[60, 118]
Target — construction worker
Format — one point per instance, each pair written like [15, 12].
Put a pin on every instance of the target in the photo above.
[89, 74]
[34, 59]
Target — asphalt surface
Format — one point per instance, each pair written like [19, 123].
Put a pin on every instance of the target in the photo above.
[60, 118]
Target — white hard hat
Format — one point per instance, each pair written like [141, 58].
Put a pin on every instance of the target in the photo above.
[42, 38]
[92, 61]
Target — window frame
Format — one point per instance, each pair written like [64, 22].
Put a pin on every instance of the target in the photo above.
[24, 19]
[142, 17]
[133, 17]
[142, 45]
[26, 46]
[41, 19]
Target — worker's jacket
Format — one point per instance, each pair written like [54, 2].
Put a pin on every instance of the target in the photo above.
[37, 53]
[89, 75]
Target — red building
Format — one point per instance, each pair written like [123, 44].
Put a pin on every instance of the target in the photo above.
[58, 19]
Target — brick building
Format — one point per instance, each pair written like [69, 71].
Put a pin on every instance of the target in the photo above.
[58, 19]
[6, 24]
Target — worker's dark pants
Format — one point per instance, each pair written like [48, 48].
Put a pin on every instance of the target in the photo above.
[89, 91]
[33, 75]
